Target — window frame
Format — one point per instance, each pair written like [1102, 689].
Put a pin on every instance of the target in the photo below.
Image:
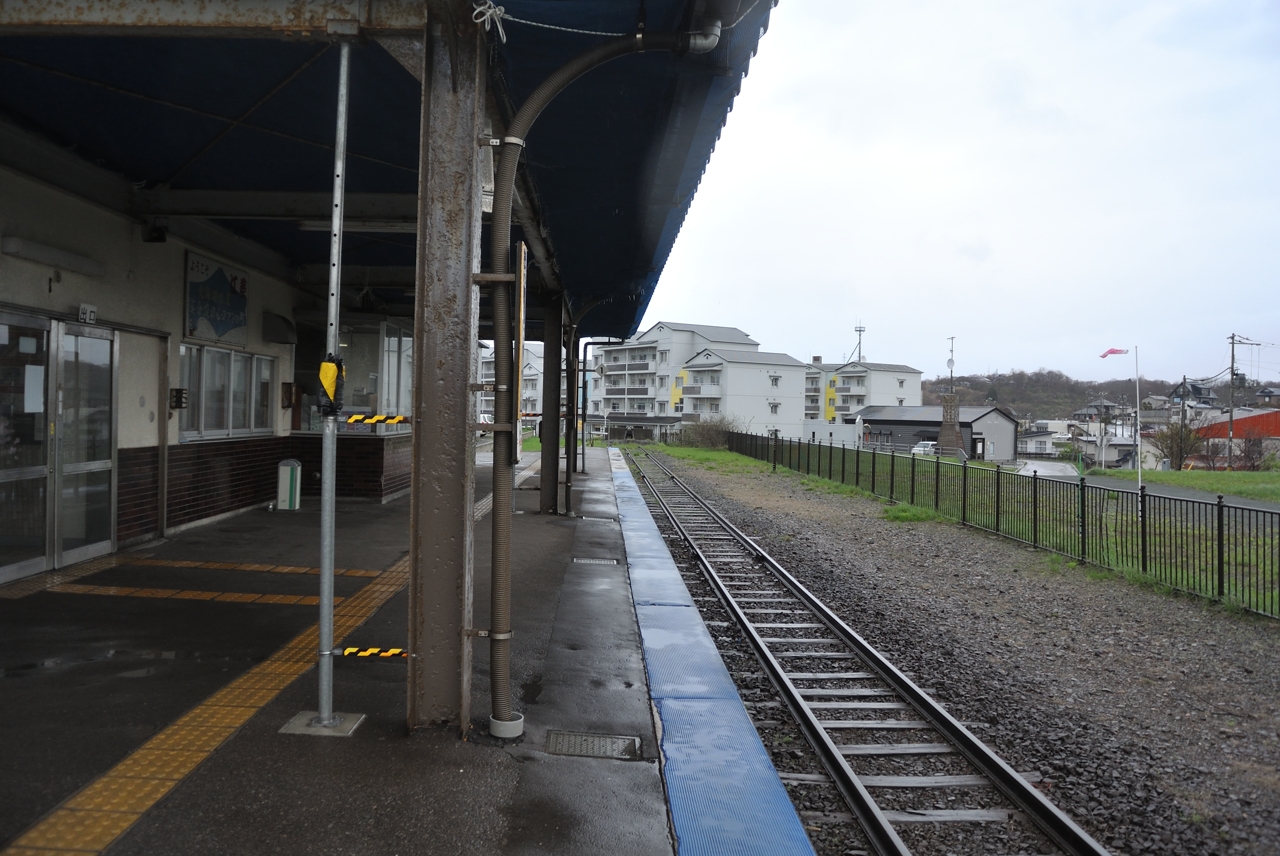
[195, 367]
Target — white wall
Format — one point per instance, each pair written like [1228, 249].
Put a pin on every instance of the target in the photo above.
[143, 285]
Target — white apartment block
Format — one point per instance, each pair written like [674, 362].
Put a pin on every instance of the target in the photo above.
[763, 391]
[835, 392]
[636, 378]
[530, 384]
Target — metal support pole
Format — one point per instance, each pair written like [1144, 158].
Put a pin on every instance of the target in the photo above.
[446, 315]
[583, 374]
[937, 482]
[893, 472]
[964, 491]
[571, 419]
[552, 371]
[1035, 512]
[329, 425]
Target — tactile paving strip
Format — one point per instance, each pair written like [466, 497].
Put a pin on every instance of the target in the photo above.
[93, 818]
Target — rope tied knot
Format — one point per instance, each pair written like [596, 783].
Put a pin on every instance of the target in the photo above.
[484, 12]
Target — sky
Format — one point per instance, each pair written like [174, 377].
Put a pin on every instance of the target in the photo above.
[1042, 181]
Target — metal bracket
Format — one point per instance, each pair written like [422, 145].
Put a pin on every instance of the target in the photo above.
[490, 142]
[506, 635]
[346, 29]
[472, 631]
[482, 387]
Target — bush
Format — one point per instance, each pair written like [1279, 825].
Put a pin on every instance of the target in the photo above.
[710, 433]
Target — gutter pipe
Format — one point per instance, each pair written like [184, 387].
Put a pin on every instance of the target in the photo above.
[503, 721]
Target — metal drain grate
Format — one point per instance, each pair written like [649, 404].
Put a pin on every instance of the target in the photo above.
[596, 561]
[599, 519]
[593, 745]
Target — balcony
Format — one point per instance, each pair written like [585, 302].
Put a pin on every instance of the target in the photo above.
[812, 408]
[643, 391]
[615, 391]
[842, 408]
[690, 417]
[639, 367]
[844, 390]
[692, 390]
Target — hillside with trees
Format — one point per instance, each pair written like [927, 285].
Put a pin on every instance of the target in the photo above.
[1043, 394]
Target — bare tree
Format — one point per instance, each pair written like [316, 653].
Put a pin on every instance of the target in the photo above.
[711, 433]
[1178, 441]
[1249, 450]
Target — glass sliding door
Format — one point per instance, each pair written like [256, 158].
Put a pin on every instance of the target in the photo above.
[24, 447]
[84, 411]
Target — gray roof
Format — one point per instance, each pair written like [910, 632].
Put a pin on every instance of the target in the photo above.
[715, 334]
[759, 357]
[881, 367]
[924, 413]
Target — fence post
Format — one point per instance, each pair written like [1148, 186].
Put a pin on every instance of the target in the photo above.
[1142, 524]
[997, 499]
[1222, 564]
[964, 491]
[843, 459]
[1035, 510]
[857, 467]
[873, 470]
[831, 460]
[937, 482]
[775, 454]
[913, 480]
[893, 457]
[1084, 542]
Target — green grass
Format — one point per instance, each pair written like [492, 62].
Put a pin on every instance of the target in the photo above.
[1264, 486]
[911, 514]
[717, 460]
[531, 444]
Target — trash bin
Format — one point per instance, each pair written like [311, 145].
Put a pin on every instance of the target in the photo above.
[289, 485]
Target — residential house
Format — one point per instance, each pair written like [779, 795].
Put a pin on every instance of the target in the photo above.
[1267, 397]
[988, 433]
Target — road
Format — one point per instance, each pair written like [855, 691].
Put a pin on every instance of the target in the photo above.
[1062, 471]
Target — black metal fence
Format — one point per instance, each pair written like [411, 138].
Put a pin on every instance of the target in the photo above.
[1213, 549]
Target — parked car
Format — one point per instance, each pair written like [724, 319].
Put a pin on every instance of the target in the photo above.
[925, 447]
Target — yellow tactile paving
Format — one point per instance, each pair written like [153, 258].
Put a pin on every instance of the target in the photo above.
[52, 579]
[250, 566]
[78, 830]
[121, 793]
[147, 763]
[190, 738]
[192, 594]
[98, 814]
[227, 710]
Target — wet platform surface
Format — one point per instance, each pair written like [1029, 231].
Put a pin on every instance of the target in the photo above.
[144, 693]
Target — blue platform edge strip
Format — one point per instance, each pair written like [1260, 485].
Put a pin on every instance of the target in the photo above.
[723, 791]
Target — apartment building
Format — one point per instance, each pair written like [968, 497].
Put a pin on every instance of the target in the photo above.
[835, 392]
[636, 378]
[530, 384]
[762, 391]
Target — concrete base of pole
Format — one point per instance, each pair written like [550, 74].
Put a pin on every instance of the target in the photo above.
[307, 723]
[507, 730]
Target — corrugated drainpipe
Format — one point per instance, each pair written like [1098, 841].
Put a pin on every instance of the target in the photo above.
[503, 721]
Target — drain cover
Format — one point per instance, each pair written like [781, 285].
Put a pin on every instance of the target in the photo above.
[593, 745]
[596, 561]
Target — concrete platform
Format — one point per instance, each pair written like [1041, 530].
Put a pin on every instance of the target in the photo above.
[144, 698]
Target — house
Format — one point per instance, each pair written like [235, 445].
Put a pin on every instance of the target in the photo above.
[1267, 397]
[761, 390]
[1100, 409]
[1193, 392]
[834, 391]
[988, 432]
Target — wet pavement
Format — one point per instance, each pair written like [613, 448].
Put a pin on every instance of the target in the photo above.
[144, 693]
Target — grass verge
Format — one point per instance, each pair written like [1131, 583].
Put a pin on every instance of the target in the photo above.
[1264, 486]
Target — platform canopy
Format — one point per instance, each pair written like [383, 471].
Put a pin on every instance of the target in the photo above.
[215, 123]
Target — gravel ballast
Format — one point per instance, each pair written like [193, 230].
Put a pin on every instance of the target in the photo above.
[1154, 718]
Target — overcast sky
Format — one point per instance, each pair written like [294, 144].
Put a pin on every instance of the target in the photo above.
[1043, 181]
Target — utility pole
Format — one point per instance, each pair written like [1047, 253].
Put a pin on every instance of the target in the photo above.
[1182, 433]
[1231, 409]
[859, 330]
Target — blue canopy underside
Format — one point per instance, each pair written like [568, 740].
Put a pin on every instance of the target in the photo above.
[614, 160]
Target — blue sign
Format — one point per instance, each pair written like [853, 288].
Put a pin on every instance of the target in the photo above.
[217, 302]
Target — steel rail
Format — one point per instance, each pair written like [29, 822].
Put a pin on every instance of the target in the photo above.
[878, 830]
[1047, 817]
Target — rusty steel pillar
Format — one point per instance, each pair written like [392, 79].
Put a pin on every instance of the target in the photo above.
[446, 315]
[548, 498]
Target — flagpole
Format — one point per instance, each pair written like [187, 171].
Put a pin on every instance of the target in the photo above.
[1137, 415]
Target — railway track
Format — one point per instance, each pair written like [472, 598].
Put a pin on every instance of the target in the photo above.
[892, 752]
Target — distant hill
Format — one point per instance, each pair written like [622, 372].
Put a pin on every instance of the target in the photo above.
[1044, 394]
